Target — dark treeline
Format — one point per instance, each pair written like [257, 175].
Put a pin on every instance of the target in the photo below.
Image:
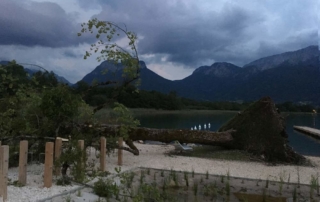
[131, 98]
[156, 100]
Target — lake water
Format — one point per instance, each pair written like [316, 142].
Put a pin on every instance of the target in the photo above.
[301, 143]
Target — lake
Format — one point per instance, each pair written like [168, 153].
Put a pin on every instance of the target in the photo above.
[185, 120]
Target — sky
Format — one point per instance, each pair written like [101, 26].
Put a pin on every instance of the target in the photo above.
[174, 36]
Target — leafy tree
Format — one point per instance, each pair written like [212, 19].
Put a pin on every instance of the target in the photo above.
[107, 34]
[45, 79]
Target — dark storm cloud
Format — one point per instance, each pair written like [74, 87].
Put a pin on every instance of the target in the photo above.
[183, 32]
[235, 33]
[72, 54]
[36, 24]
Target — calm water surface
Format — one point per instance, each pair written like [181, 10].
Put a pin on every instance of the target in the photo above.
[300, 143]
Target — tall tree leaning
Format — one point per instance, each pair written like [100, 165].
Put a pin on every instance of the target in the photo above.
[108, 34]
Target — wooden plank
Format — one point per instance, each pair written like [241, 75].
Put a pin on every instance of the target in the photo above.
[23, 160]
[81, 146]
[5, 165]
[312, 132]
[120, 152]
[103, 144]
[57, 154]
[48, 163]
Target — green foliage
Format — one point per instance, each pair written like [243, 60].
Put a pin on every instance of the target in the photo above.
[124, 118]
[294, 194]
[107, 35]
[76, 158]
[195, 188]
[12, 78]
[63, 181]
[29, 108]
[45, 79]
[59, 104]
[105, 188]
[186, 178]
[109, 49]
[17, 184]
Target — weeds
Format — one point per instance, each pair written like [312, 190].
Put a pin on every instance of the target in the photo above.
[17, 184]
[207, 175]
[127, 179]
[162, 173]
[228, 174]
[67, 198]
[281, 178]
[192, 173]
[142, 176]
[186, 178]
[79, 194]
[267, 182]
[315, 182]
[222, 178]
[63, 181]
[264, 195]
[195, 188]
[228, 188]
[175, 179]
[314, 185]
[294, 194]
[298, 173]
[105, 188]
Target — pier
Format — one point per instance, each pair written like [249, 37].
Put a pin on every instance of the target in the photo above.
[315, 133]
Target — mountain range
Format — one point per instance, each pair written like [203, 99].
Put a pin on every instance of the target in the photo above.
[290, 76]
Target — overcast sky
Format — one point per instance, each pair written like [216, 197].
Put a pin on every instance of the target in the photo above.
[174, 36]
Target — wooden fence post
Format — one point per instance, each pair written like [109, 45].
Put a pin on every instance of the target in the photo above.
[48, 164]
[4, 153]
[120, 153]
[57, 154]
[103, 143]
[23, 161]
[81, 146]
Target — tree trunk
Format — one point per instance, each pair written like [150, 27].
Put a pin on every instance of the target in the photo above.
[168, 135]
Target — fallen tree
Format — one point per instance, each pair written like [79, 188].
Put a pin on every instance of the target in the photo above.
[168, 135]
[259, 129]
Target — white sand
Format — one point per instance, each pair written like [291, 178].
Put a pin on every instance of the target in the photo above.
[153, 156]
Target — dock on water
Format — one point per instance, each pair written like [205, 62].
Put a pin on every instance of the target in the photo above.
[313, 132]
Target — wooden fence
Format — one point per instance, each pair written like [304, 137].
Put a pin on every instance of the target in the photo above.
[52, 151]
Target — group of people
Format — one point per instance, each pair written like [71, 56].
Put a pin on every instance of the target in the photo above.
[204, 127]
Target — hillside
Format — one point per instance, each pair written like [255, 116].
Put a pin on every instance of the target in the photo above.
[291, 76]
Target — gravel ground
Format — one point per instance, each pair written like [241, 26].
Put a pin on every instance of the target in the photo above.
[154, 156]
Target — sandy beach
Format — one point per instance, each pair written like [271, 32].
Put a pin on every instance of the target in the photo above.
[155, 156]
